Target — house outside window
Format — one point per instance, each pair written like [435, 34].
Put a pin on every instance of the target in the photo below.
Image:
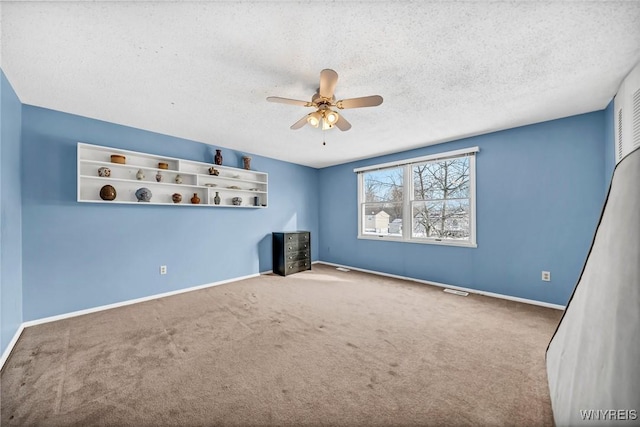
[433, 195]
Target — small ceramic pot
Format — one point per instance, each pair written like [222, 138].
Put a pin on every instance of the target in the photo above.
[140, 175]
[176, 197]
[159, 177]
[195, 199]
[162, 165]
[107, 192]
[216, 199]
[143, 194]
[104, 172]
[218, 157]
[237, 201]
[178, 179]
[116, 158]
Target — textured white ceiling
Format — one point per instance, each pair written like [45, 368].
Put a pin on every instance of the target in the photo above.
[202, 70]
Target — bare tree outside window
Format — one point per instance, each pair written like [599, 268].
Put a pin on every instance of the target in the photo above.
[441, 200]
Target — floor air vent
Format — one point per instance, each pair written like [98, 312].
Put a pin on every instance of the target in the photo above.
[453, 291]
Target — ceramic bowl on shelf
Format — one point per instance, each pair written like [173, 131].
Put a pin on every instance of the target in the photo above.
[162, 165]
[107, 192]
[117, 158]
[211, 185]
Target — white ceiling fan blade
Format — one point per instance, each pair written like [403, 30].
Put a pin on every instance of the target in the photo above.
[328, 80]
[365, 101]
[342, 124]
[289, 101]
[300, 123]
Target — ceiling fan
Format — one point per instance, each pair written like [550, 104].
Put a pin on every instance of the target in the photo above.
[324, 100]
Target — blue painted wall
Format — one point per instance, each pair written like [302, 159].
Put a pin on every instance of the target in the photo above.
[10, 214]
[539, 196]
[80, 255]
[609, 144]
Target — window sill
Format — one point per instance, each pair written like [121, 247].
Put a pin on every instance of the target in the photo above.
[418, 241]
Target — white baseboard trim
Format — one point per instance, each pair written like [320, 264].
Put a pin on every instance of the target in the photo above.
[12, 343]
[132, 301]
[460, 288]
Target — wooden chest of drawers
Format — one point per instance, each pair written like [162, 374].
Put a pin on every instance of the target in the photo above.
[291, 252]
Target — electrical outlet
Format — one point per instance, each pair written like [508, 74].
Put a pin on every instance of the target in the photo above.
[546, 276]
[163, 269]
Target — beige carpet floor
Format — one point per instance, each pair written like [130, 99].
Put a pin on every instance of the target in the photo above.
[322, 347]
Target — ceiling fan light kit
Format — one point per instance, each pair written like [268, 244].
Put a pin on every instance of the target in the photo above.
[323, 101]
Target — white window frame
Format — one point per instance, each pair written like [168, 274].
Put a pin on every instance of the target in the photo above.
[407, 191]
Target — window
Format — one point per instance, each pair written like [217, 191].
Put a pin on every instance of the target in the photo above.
[426, 200]
[382, 207]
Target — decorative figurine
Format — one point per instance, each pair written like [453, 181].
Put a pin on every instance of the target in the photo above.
[107, 192]
[178, 179]
[140, 175]
[143, 194]
[195, 199]
[217, 159]
[104, 172]
[159, 177]
[213, 171]
[176, 197]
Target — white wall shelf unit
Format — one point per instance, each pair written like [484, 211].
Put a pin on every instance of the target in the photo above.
[249, 185]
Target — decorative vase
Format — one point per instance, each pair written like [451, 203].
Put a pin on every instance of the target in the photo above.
[107, 192]
[176, 197]
[143, 194]
[178, 179]
[105, 172]
[246, 162]
[237, 201]
[159, 177]
[195, 199]
[216, 199]
[213, 171]
[140, 175]
[256, 201]
[217, 159]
